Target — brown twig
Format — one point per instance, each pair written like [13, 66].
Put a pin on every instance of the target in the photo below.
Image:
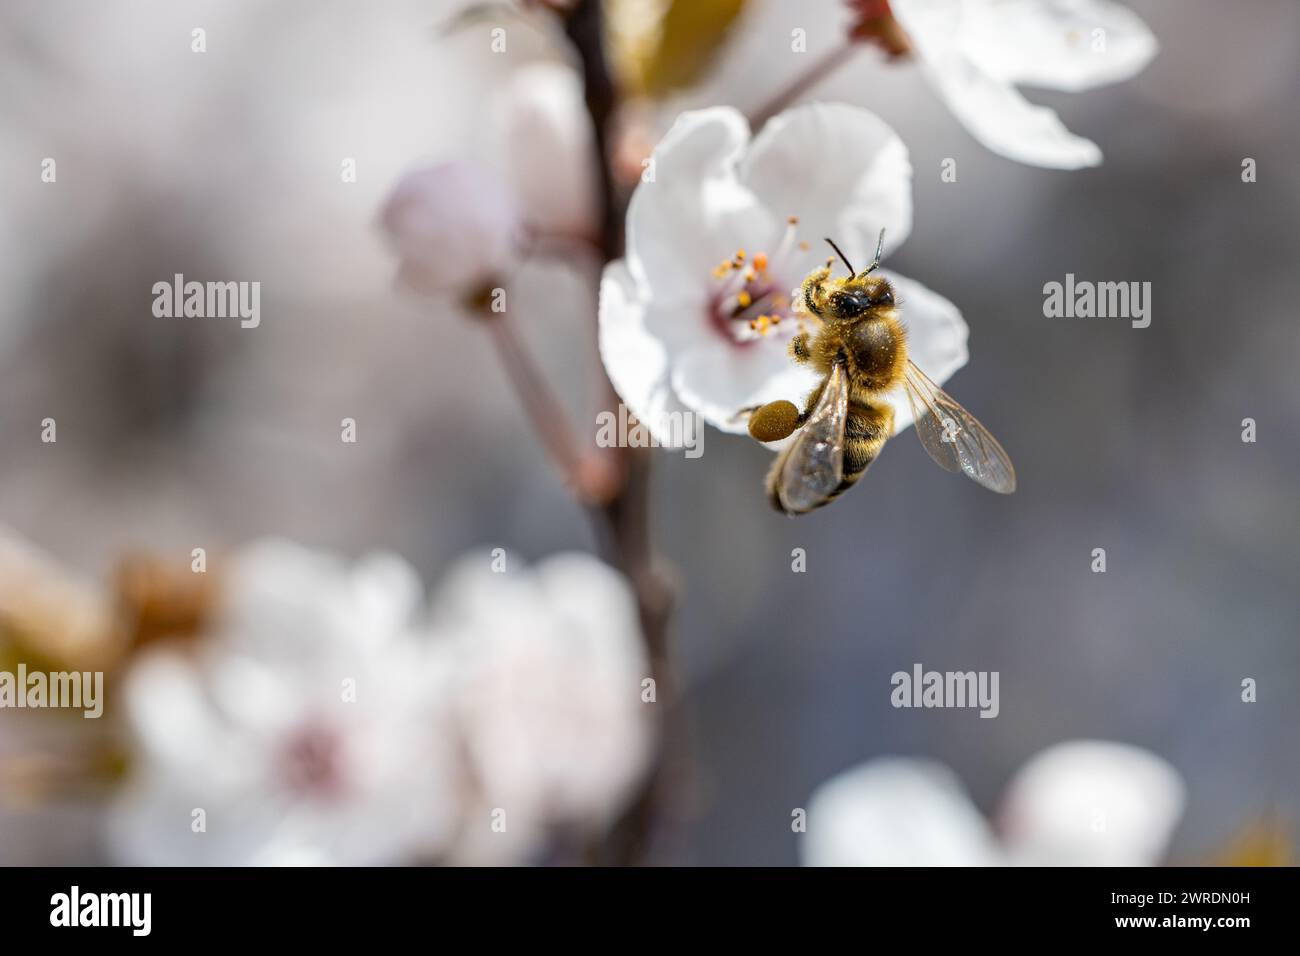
[624, 519]
[821, 68]
[585, 28]
[540, 404]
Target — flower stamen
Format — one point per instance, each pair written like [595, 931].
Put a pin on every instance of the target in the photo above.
[754, 296]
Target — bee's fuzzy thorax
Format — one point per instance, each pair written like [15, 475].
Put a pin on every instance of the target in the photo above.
[873, 350]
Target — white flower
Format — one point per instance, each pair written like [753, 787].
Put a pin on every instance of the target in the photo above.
[323, 721]
[550, 664]
[976, 52]
[260, 732]
[676, 336]
[1080, 803]
[455, 228]
[1091, 803]
[545, 141]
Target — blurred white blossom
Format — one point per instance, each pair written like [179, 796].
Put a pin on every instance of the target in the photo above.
[976, 52]
[309, 727]
[1079, 803]
[454, 226]
[550, 664]
[462, 225]
[680, 332]
[328, 718]
[1091, 803]
[545, 141]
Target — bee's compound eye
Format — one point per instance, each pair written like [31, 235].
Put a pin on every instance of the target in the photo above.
[850, 304]
[884, 297]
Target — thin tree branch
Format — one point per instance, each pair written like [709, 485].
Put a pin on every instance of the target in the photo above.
[539, 403]
[821, 68]
[585, 28]
[626, 532]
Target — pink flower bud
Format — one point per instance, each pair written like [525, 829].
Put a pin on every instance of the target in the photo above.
[454, 226]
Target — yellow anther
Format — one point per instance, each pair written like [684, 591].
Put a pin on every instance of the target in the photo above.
[743, 299]
[793, 220]
[760, 261]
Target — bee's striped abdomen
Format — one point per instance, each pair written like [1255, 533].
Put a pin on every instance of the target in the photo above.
[865, 432]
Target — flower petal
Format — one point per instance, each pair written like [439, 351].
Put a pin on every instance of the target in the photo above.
[545, 137]
[598, 609]
[718, 379]
[841, 170]
[1092, 803]
[694, 213]
[1068, 45]
[936, 338]
[896, 811]
[550, 710]
[168, 713]
[454, 226]
[635, 360]
[997, 115]
[986, 102]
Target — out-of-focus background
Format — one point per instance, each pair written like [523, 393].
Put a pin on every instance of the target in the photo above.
[176, 434]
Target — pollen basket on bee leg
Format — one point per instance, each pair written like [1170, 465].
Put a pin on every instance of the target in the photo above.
[774, 421]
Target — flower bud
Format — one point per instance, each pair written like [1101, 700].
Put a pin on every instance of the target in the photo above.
[545, 137]
[454, 226]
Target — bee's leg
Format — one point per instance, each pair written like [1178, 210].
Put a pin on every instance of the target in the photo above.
[805, 304]
[801, 347]
[775, 420]
[810, 403]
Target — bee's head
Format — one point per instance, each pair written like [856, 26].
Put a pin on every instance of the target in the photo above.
[857, 296]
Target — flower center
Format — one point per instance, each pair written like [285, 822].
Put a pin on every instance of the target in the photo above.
[312, 762]
[753, 297]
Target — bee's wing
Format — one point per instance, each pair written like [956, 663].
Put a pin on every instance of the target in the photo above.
[814, 465]
[954, 438]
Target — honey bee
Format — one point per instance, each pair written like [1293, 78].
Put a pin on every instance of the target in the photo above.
[860, 347]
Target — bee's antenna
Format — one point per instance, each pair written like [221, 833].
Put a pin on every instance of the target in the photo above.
[880, 247]
[842, 256]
